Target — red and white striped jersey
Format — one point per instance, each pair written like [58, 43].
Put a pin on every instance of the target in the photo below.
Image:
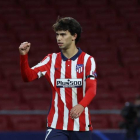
[68, 82]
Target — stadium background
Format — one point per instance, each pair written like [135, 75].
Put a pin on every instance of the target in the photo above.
[111, 33]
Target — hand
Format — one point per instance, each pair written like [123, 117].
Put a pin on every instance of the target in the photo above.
[76, 111]
[24, 48]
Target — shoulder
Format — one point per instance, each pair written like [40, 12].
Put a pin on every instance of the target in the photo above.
[51, 56]
[87, 56]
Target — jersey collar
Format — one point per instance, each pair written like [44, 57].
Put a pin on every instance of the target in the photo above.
[72, 58]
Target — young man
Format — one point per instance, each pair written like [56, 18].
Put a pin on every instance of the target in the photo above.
[71, 74]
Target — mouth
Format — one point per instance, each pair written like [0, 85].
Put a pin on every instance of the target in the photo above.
[60, 44]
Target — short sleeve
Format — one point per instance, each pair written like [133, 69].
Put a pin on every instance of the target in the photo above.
[41, 68]
[91, 69]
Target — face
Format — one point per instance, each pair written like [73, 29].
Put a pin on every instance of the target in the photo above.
[65, 39]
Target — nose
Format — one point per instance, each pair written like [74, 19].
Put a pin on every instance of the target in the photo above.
[59, 38]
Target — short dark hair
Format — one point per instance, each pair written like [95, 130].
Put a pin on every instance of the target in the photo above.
[70, 24]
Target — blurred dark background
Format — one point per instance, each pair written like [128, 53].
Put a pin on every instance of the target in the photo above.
[111, 34]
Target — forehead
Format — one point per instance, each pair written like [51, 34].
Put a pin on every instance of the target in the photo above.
[62, 31]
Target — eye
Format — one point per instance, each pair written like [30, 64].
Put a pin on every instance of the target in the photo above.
[63, 34]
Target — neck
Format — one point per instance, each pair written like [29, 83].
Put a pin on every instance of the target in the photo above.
[70, 52]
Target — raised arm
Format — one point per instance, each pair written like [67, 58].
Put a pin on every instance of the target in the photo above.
[27, 73]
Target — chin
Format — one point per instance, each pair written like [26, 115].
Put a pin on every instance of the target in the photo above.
[63, 47]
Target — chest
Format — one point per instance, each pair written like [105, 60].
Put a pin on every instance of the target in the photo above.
[69, 69]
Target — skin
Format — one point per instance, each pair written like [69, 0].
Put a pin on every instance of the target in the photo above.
[66, 43]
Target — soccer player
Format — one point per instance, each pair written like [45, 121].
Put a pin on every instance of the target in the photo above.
[72, 76]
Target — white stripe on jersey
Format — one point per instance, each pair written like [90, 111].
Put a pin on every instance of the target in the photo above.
[92, 68]
[87, 119]
[40, 74]
[62, 76]
[52, 72]
[84, 76]
[63, 98]
[55, 117]
[44, 62]
[84, 90]
[79, 70]
[74, 94]
[44, 72]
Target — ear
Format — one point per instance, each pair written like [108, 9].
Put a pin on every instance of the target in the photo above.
[74, 37]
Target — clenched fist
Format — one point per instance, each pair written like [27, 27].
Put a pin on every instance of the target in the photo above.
[24, 48]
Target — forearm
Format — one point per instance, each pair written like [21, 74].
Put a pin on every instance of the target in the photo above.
[27, 73]
[90, 93]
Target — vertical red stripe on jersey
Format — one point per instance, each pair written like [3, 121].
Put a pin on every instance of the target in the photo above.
[60, 103]
[88, 69]
[80, 92]
[69, 94]
[52, 110]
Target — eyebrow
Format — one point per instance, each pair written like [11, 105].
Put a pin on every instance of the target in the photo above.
[61, 34]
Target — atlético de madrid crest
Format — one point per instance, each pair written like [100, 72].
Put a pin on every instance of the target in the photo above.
[79, 68]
